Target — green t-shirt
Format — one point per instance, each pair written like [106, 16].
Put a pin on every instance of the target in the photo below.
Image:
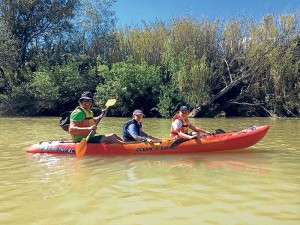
[78, 116]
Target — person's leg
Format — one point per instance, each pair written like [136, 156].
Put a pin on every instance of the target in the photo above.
[110, 138]
[95, 139]
[117, 137]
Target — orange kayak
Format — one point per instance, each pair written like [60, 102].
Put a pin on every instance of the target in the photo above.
[216, 142]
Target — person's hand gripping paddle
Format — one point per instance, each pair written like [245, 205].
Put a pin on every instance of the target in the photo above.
[81, 148]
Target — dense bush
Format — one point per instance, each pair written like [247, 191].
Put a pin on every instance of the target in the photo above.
[136, 86]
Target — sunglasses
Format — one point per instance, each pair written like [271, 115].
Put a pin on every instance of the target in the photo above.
[139, 116]
[87, 100]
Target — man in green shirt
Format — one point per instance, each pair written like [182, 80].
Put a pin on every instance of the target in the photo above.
[82, 121]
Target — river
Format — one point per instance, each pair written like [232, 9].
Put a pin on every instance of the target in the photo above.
[258, 185]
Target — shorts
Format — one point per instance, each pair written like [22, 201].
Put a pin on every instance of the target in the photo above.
[95, 139]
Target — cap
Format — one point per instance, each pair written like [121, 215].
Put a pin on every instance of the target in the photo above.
[137, 112]
[86, 95]
[182, 108]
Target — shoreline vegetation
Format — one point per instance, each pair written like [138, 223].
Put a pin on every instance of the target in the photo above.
[52, 51]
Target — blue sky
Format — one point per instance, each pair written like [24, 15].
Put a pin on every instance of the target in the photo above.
[132, 12]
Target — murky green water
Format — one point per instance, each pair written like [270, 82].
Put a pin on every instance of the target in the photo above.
[260, 185]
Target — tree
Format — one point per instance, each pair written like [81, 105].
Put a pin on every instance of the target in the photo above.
[95, 22]
[31, 21]
[259, 74]
[8, 57]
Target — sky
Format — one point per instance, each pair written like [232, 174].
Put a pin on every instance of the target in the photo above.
[133, 12]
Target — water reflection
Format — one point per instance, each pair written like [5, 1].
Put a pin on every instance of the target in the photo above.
[182, 166]
[140, 169]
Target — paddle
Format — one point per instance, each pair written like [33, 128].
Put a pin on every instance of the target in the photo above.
[180, 141]
[81, 148]
[154, 142]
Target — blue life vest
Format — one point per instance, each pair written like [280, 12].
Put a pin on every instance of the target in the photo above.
[126, 135]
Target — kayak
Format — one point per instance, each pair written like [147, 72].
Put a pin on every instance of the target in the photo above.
[216, 142]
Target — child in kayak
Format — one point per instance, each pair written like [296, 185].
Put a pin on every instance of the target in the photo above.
[180, 125]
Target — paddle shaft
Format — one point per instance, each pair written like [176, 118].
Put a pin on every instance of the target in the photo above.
[97, 121]
[81, 148]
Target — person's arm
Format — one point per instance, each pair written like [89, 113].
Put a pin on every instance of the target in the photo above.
[75, 119]
[75, 128]
[144, 134]
[197, 129]
[133, 132]
[183, 135]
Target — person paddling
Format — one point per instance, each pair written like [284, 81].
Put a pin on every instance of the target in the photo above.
[132, 129]
[180, 125]
[82, 122]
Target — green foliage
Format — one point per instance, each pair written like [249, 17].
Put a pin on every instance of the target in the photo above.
[72, 79]
[169, 101]
[8, 48]
[42, 87]
[95, 25]
[189, 75]
[8, 58]
[134, 86]
[34, 98]
[275, 51]
[33, 21]
[58, 49]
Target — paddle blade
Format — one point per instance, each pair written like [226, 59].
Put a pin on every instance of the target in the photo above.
[81, 148]
[178, 142]
[110, 102]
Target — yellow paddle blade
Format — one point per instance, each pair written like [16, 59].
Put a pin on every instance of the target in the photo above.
[110, 102]
[81, 148]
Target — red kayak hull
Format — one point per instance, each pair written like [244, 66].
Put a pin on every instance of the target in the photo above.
[218, 142]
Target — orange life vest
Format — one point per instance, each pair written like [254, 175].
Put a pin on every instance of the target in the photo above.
[87, 122]
[184, 128]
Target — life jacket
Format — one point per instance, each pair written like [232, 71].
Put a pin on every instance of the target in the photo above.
[126, 135]
[87, 122]
[184, 128]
